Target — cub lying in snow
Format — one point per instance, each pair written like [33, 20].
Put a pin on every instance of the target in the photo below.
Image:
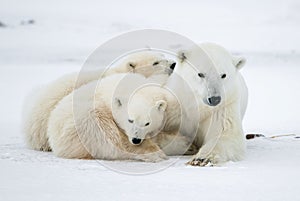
[41, 103]
[154, 112]
[83, 125]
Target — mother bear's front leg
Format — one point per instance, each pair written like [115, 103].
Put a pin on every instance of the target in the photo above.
[223, 139]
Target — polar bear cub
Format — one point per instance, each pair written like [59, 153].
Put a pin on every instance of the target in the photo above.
[222, 97]
[40, 104]
[82, 124]
[153, 112]
[147, 63]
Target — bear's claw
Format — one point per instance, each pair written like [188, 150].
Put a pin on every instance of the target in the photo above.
[202, 162]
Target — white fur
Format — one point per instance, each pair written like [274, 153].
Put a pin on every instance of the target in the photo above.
[39, 104]
[82, 125]
[154, 112]
[220, 132]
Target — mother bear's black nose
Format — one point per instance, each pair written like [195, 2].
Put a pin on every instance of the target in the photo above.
[214, 100]
[136, 141]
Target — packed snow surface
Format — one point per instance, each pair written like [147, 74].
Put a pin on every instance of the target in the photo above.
[42, 40]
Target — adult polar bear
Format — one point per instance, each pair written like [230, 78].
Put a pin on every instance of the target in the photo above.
[222, 97]
[214, 120]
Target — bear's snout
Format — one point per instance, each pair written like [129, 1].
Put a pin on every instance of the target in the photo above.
[214, 100]
[136, 141]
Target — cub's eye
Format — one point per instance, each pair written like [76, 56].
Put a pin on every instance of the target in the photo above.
[130, 121]
[155, 63]
[201, 75]
[223, 76]
[147, 124]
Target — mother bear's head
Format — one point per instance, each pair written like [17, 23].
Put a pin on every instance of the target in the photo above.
[211, 71]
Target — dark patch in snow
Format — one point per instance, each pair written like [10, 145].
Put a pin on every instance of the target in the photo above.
[252, 136]
[2, 24]
[28, 22]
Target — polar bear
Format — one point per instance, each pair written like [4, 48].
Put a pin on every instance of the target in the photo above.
[146, 63]
[151, 111]
[82, 124]
[214, 77]
[215, 116]
[40, 103]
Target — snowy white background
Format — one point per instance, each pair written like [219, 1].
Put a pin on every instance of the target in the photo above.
[65, 33]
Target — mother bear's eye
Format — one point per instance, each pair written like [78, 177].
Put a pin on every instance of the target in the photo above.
[155, 63]
[147, 124]
[130, 121]
[201, 75]
[223, 76]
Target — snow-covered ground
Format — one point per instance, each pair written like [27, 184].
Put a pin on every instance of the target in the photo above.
[65, 33]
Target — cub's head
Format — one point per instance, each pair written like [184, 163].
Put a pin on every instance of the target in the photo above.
[211, 71]
[143, 116]
[148, 63]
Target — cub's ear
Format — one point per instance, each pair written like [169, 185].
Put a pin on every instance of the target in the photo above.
[131, 65]
[161, 105]
[118, 102]
[238, 62]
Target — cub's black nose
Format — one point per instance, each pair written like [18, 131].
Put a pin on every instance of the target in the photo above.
[214, 100]
[136, 140]
[173, 65]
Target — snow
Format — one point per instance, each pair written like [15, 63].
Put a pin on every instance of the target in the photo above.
[65, 33]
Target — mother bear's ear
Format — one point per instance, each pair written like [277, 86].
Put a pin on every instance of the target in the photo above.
[161, 105]
[238, 61]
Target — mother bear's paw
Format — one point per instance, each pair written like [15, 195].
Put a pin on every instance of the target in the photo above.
[203, 161]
